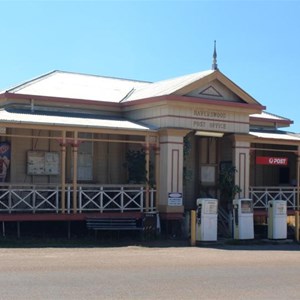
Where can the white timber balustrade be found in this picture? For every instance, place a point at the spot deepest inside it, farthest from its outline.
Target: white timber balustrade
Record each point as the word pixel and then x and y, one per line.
pixel 262 195
pixel 90 198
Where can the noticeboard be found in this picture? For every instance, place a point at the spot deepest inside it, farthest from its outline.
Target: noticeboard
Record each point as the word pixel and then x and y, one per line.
pixel 208 174
pixel 42 163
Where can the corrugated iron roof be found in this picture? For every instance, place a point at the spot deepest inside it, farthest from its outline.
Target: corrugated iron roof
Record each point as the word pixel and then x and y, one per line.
pixel 78 86
pixel 269 116
pixel 43 119
pixel 165 87
pixel 275 135
pixel 98 88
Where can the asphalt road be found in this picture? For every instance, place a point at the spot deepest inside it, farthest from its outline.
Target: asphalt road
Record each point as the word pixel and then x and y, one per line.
pixel 135 272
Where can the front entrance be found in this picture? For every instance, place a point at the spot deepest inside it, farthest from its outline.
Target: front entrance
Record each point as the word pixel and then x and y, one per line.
pixel 204 157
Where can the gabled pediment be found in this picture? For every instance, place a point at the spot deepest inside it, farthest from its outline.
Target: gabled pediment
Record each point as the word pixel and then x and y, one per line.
pixel 216 86
pixel 217 91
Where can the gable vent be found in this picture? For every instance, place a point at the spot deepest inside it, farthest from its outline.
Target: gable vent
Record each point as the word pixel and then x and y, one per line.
pixel 210 91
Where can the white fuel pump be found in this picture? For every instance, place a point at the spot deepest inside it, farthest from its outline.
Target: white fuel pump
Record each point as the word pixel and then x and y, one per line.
pixel 277 219
pixel 206 219
pixel 243 225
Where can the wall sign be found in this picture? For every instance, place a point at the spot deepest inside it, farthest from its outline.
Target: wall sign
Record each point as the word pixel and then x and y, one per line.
pixel 270 160
pixel 175 199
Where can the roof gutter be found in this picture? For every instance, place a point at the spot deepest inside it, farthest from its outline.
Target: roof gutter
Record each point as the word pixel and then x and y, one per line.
pixel 8 95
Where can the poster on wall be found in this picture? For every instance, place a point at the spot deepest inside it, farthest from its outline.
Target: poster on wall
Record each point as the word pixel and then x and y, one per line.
pixel 4 160
pixel 42 163
pixel 208 174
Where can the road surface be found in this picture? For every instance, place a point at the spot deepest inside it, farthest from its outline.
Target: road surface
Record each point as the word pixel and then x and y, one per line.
pixel 135 272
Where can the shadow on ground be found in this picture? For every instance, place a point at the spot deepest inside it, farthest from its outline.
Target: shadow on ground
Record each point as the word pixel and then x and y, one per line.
pixel 157 242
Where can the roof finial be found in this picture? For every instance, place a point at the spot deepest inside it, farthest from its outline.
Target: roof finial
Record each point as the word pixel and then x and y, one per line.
pixel 214 64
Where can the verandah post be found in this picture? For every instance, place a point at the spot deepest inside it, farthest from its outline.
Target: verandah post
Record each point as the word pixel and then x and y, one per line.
pixel 147 153
pixel 63 172
pixel 75 157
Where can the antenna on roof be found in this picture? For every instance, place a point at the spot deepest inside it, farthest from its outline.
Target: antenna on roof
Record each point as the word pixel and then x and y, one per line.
pixel 214 64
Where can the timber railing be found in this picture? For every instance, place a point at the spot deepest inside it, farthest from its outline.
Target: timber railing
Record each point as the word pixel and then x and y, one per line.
pixel 90 198
pixel 262 195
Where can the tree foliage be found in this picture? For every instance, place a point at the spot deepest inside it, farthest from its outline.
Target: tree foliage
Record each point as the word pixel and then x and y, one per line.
pixel 227 186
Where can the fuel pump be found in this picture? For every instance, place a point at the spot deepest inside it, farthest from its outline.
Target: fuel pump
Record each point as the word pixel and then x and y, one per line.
pixel 206 219
pixel 243 225
pixel 277 219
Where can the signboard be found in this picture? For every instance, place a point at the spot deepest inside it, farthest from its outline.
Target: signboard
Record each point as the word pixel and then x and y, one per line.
pixel 175 199
pixel 5 154
pixel 270 160
pixel 42 163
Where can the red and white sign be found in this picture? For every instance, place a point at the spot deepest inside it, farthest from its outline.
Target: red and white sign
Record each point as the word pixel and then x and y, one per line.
pixel 267 160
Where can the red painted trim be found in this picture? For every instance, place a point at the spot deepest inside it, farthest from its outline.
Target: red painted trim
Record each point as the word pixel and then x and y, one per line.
pixel 197 100
pixel 176 98
pixel 175 170
pixel 66 217
pixel 171 216
pixel 242 169
pixel 264 213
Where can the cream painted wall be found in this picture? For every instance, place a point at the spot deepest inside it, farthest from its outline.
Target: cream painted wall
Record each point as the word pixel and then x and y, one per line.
pixel 19 149
pixel 193 116
pixel 171 167
pixel 241 160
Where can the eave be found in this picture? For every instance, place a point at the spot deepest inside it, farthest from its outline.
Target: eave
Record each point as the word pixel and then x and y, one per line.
pixel 276 123
pixel 193 100
pixel 60 100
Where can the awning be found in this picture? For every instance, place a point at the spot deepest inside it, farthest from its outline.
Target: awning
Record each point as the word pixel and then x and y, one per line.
pixel 36 119
pixel 275 136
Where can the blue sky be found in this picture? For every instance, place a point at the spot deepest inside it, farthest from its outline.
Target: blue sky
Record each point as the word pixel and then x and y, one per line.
pixel 258 43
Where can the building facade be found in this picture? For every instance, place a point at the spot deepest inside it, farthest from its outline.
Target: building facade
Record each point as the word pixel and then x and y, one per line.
pixel 76 146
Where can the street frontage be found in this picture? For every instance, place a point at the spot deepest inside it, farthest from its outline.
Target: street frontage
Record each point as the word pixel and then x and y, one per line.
pixel 138 272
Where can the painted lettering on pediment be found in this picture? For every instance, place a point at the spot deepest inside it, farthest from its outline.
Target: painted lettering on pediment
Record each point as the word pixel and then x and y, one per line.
pixel 210 120
pixel 209 114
